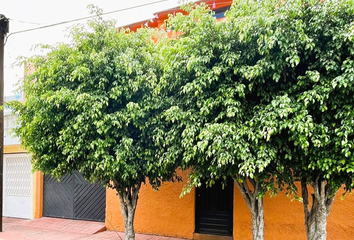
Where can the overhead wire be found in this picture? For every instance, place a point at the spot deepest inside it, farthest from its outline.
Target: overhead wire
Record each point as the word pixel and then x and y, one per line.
pixel 11 19
pixel 83 18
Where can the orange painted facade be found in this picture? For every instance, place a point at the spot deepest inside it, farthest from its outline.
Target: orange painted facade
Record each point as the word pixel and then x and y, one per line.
pixel 159 212
pixel 284 218
pixel 164 213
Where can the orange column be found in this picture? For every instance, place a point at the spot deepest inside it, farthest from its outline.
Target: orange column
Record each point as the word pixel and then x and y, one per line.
pixel 37 194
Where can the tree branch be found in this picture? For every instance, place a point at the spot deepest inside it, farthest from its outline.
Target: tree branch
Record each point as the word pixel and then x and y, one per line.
pixel 253 182
pixel 244 194
pixel 135 194
pixel 329 198
pixel 315 186
pixel 123 207
pixel 305 198
pixel 323 189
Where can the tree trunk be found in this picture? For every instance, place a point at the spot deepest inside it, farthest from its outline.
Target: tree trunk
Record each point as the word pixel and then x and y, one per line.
pixel 316 217
pixel 255 205
pixel 128 202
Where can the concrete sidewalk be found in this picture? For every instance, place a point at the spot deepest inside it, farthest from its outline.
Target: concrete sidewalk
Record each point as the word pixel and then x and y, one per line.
pixel 63 229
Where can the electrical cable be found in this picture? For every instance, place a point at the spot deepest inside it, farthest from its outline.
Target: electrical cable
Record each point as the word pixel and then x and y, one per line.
pixel 25 22
pixel 83 18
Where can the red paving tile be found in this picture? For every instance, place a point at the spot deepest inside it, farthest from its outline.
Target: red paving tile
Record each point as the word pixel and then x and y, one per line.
pixel 67 225
pixel 63 229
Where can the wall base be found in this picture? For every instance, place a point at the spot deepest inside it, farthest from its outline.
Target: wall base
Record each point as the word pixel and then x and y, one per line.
pixel 199 236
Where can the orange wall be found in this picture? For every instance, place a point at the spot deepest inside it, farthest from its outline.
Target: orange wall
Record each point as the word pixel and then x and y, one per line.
pixel 158 212
pixel 164 213
pixel 284 219
pixel 341 218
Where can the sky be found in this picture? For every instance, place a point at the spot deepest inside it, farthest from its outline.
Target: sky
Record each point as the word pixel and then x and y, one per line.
pixel 28 14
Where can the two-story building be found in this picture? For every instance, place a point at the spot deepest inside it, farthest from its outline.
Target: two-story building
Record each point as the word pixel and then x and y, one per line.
pixel 17 188
pixel 205 213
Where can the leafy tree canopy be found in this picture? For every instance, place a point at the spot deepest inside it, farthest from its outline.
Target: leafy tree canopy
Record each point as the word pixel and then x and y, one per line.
pixel 265 95
pixel 309 46
pixel 214 92
pixel 306 47
pixel 91 106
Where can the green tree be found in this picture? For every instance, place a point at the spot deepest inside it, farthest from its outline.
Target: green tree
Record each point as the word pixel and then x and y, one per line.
pixel 213 92
pixel 91 107
pixel 308 47
pixel 265 97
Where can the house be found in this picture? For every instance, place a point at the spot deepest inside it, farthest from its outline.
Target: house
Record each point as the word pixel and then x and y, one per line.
pixel 213 213
pixel 34 195
pixel 205 213
pixel 17 188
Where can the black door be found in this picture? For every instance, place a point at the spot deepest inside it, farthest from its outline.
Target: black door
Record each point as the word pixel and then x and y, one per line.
pixel 73 197
pixel 214 209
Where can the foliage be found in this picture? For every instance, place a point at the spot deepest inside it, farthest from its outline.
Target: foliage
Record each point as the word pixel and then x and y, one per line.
pixel 214 92
pixel 264 96
pixel 91 107
pixel 306 49
pixel 309 48
pixel 270 84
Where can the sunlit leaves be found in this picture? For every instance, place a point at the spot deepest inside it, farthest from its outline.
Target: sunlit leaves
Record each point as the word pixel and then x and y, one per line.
pixel 91 107
pixel 268 90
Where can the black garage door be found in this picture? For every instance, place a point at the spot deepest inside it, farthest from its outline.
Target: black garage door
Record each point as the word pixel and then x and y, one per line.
pixel 73 197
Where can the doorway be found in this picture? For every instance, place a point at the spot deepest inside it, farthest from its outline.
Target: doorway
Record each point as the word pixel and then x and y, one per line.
pixel 214 209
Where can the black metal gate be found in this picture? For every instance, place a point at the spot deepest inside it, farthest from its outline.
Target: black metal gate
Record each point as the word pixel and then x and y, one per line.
pixel 73 197
pixel 214 209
